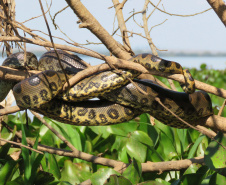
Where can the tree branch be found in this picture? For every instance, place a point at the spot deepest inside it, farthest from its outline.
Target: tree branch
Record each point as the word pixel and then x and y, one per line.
pixel 220 9
pixel 121 23
pixel 179 15
pixel 145 26
pixel 89 21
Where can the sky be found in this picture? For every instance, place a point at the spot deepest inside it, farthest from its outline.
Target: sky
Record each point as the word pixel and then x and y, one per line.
pixel 204 32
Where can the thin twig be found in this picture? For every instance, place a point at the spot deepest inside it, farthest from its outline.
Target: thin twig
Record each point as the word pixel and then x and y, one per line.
pixel 172 14
pixel 222 108
pixel 118 11
pixel 153 10
pixel 21 145
pixel 126 21
pixel 199 129
pixel 157 25
pixel 39 15
pixel 186 123
pixel 50 35
pixel 146 30
pixel 54 17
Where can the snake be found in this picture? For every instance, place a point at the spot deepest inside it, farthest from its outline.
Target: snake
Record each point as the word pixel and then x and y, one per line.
pixel 119 100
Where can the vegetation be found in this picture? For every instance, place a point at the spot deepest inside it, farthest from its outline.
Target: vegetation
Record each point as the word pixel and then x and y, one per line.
pixel 134 142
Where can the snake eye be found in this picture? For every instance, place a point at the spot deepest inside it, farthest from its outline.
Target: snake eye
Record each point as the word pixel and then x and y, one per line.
pixel 33 81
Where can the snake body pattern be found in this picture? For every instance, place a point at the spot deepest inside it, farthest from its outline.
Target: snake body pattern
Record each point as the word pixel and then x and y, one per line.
pixel 120 101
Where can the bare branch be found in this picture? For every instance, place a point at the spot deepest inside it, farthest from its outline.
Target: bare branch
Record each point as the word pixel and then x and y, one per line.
pixel 157 25
pixel 145 26
pixel 153 10
pixel 127 20
pixel 39 15
pixel 171 165
pixel 222 108
pixel 54 17
pixel 51 38
pixel 21 145
pixel 220 9
pixel 89 21
pixel 172 14
pixel 118 10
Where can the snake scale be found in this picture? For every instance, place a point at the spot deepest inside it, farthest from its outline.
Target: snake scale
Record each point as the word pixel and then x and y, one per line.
pixel 120 100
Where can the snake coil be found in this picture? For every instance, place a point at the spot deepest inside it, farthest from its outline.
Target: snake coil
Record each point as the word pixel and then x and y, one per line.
pixel 120 100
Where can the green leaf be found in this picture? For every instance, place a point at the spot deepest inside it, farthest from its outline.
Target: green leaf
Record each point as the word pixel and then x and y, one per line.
pixel 75 173
pixel 33 153
pixel 26 157
pixel 119 143
pixel 167 147
pixel 136 150
pixel 162 181
pixel 153 155
pixel 53 165
pixel 97 139
pixel 191 179
pixel 102 175
pixel 44 178
pixel 192 168
pixel 206 181
pixel 31 163
pixel 7 171
pixel 46 135
pixel 194 134
pixel 183 136
pixel 151 183
pixel 4 150
pixel 178 145
pixel 74 137
pixel 142 137
pixel 217 179
pixel 118 180
pixel 144 122
pixel 167 130
pixel 35 166
pixel 68 173
pixel 215 155
pixel 101 130
pixel 195 146
pixel 122 156
pixel 133 172
pixel 202 147
pixel 153 134
pixel 122 129
pixel 13 183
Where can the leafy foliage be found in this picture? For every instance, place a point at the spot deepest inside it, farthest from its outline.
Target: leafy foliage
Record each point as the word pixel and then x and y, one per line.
pixel 134 142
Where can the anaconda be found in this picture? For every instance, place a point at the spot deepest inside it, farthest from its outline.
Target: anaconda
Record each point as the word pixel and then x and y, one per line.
pixel 40 92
